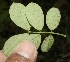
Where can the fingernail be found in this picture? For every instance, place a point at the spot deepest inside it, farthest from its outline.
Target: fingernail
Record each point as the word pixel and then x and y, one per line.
pixel 16 58
pixel 28 49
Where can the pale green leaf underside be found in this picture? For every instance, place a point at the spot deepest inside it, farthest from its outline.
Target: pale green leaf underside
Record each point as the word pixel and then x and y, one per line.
pixel 35 15
pixel 15 40
pixel 47 43
pixel 17 15
pixel 53 18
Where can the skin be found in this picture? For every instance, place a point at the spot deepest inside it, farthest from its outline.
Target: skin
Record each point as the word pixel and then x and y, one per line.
pixel 26 47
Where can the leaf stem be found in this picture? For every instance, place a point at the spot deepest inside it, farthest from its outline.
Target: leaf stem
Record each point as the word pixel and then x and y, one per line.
pixel 48 33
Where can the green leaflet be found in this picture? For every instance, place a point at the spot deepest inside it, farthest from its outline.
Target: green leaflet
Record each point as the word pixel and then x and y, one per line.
pixel 17 15
pixel 53 18
pixel 47 43
pixel 15 40
pixel 36 39
pixel 35 15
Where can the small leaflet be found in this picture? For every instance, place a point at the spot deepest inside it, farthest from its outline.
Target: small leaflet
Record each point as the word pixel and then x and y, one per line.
pixel 35 15
pixel 53 18
pixel 47 43
pixel 17 15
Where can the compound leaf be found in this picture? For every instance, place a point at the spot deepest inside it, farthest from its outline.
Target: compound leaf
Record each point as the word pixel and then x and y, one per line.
pixel 47 43
pixel 17 15
pixel 53 18
pixel 35 15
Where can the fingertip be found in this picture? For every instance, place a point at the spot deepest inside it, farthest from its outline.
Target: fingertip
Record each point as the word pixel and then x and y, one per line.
pixel 33 59
pixel 2 56
pixel 28 50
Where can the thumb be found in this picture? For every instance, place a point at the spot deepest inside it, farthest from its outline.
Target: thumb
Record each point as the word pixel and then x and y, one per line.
pixel 2 56
pixel 25 52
